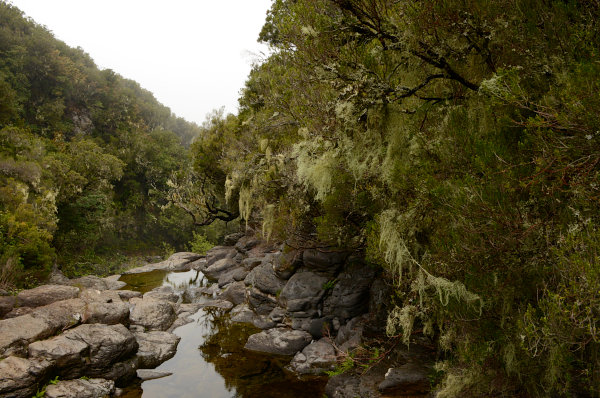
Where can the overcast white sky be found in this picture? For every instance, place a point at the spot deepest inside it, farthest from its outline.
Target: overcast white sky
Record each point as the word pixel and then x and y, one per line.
pixel 194 55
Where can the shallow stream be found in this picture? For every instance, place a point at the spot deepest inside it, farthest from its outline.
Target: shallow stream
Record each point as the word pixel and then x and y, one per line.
pixel 211 361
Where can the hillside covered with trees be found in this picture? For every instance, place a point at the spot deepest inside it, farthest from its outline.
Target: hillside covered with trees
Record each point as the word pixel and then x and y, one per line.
pixel 85 158
pixel 455 144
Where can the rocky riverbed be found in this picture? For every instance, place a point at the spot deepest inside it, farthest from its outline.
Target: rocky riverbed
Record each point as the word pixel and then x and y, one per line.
pixel 310 306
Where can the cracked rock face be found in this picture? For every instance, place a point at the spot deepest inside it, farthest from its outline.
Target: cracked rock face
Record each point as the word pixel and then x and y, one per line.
pixel 152 314
pixel 78 388
pixel 19 377
pixel 86 348
pixel 155 347
pixel 279 341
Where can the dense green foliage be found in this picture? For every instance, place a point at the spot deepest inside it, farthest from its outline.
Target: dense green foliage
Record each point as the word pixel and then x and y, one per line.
pixel 457 145
pixel 85 158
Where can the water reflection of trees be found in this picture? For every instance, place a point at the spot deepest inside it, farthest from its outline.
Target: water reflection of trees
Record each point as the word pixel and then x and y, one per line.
pixel 250 374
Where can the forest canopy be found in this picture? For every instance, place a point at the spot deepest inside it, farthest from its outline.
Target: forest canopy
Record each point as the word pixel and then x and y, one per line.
pixel 455 144
pixel 85 158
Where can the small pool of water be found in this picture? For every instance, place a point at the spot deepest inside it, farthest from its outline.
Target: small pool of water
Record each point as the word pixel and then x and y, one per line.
pixel 211 361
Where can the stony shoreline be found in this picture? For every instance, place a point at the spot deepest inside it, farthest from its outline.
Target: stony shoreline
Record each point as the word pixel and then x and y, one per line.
pixel 312 305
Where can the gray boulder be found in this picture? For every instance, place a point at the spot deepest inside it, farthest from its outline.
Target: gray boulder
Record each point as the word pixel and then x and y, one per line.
pixel 104 307
pixel 219 267
pixel 218 253
pixel 243 314
pixel 303 292
pixel 350 294
pixel 65 354
pixel 79 388
pixel 17 333
pixel 278 341
pixel 92 349
pixel 155 348
pixel 198 265
pixel 251 262
pixel 152 314
pixel 235 292
pixel 262 303
pixel 264 279
pixel 315 358
pixel 20 377
pixel 232 275
pixel 45 294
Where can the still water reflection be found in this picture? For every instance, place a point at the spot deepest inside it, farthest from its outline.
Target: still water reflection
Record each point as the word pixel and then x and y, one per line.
pixel 210 359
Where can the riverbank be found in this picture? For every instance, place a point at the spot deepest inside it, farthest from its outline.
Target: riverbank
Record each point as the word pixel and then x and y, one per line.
pixel 308 310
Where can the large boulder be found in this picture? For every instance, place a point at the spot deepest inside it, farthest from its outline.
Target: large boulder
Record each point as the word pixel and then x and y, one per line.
pixel 152 314
pixel 155 348
pixel 315 358
pixel 80 388
pixel 350 294
pixel 45 294
pixel 303 292
pixel 91 349
pixel 20 377
pixel 17 333
pixel 218 253
pixel 64 353
pixel 235 292
pixel 262 303
pixel 104 307
pixel 219 267
pixel 278 341
pixel 264 279
pixel 234 274
pixel 251 262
